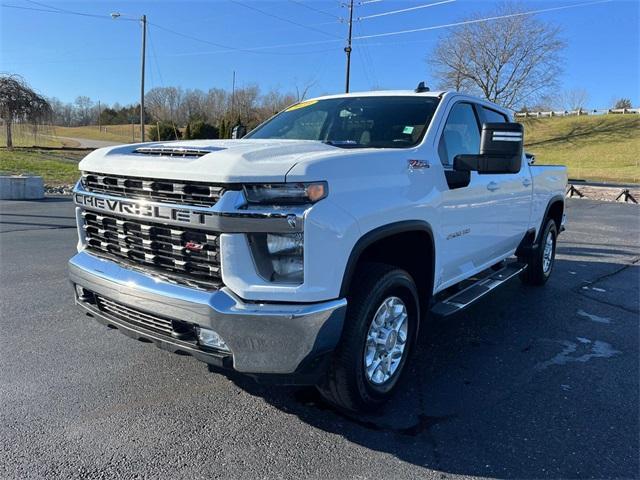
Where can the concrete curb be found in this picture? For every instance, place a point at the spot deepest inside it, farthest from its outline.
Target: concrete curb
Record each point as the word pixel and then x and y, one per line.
pixel 21 187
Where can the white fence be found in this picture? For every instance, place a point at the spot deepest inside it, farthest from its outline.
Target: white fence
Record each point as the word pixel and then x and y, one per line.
pixel 569 113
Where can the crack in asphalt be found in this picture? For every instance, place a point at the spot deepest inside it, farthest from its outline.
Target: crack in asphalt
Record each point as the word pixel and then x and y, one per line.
pixel 580 291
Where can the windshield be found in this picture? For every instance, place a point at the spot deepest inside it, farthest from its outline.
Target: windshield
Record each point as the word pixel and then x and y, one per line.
pixel 354 122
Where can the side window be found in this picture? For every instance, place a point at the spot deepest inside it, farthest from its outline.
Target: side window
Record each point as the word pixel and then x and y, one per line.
pixel 461 134
pixel 491 116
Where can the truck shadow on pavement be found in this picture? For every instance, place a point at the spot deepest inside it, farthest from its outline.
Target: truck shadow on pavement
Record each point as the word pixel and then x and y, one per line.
pixel 522 385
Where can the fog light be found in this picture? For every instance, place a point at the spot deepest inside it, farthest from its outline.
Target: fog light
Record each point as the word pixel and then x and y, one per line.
pixel 83 295
pixel 209 338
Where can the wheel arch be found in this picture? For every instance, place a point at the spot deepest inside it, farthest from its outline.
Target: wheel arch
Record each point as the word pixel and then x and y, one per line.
pixel 406 236
pixel 554 210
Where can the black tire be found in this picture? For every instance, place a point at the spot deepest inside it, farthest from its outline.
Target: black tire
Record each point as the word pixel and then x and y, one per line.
pixel 346 383
pixel 536 273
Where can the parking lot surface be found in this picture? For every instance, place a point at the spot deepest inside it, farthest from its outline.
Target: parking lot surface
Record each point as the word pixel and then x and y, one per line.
pixel 528 383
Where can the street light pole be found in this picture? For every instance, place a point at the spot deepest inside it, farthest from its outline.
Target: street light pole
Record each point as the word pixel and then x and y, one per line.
pixel 144 47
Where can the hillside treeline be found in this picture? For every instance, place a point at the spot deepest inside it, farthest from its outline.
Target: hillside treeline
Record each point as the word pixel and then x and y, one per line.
pixel 178 106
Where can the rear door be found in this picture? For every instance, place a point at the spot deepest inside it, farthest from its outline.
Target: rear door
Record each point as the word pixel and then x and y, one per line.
pixel 513 195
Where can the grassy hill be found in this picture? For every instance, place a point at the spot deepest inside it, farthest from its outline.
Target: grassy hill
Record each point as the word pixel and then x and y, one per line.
pixel 110 133
pixel 601 148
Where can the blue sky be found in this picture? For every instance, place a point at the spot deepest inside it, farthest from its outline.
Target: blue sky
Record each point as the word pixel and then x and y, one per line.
pixel 68 55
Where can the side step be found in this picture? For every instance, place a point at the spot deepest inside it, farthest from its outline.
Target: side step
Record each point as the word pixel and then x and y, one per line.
pixel 462 299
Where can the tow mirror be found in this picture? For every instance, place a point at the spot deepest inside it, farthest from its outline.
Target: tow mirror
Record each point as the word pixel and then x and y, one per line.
pixel 501 147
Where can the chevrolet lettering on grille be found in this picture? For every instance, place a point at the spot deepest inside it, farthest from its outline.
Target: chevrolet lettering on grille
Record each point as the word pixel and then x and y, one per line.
pixel 144 210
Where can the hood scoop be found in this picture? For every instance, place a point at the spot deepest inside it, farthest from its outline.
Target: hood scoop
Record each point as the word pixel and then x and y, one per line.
pixel 183 152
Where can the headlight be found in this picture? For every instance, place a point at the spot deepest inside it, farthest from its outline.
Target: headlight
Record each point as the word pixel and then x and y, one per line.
pixel 279 258
pixel 286 193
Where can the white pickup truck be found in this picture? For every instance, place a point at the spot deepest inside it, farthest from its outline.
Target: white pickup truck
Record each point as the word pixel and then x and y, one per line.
pixel 312 250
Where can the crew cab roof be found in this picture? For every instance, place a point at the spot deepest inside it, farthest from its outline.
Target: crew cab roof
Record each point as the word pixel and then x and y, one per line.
pixel 381 93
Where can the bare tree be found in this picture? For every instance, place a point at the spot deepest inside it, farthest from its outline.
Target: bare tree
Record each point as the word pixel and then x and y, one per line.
pixel 303 90
pixel 245 102
pixel 164 103
pixel 217 103
pixel 18 102
pixel 274 101
pixel 83 108
pixel 193 106
pixel 510 61
pixel 574 99
pixel 623 103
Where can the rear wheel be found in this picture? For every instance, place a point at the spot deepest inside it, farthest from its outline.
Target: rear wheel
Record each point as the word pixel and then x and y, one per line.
pixel 378 335
pixel 540 264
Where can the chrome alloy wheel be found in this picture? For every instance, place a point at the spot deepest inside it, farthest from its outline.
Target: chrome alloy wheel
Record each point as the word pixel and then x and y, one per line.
pixel 386 341
pixel 547 254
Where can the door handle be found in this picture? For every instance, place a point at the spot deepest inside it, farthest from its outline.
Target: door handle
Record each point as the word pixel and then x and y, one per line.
pixel 493 186
pixel 526 182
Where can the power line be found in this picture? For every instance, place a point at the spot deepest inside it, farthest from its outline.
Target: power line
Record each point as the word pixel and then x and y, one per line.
pixel 52 9
pixel 245 50
pixel 155 58
pixel 283 19
pixel 466 22
pixel 402 10
pixel 309 7
pixel 60 12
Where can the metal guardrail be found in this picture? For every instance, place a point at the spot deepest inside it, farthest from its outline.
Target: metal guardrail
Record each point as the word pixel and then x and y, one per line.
pixel 622 192
pixel 571 113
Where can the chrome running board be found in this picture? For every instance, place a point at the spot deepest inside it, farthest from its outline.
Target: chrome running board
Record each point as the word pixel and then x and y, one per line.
pixel 471 294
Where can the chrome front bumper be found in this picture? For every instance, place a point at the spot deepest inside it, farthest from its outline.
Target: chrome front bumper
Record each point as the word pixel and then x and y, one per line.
pixel 263 338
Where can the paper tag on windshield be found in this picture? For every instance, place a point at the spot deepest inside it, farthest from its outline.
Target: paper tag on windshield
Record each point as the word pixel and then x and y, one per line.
pixel 408 130
pixel 301 105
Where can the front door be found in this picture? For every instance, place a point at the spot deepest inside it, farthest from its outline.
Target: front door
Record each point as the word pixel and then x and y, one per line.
pixel 469 214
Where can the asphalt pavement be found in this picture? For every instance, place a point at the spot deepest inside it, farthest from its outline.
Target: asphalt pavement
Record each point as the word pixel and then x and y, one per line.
pixel 528 383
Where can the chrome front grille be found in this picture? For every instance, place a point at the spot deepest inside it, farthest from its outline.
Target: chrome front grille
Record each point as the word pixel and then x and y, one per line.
pixel 176 254
pixel 155 190
pixel 135 316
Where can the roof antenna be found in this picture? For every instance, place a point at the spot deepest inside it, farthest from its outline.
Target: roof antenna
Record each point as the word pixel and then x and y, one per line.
pixel 422 88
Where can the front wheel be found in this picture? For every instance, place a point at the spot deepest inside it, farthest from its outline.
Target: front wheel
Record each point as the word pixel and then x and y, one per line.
pixel 540 264
pixel 378 335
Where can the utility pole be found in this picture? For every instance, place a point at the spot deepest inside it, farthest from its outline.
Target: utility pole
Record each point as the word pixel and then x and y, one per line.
pixel 143 20
pixel 233 94
pixel 348 48
pixel 99 114
pixel 144 47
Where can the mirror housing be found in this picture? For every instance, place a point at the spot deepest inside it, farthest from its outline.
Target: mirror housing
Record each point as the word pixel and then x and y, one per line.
pixel 501 147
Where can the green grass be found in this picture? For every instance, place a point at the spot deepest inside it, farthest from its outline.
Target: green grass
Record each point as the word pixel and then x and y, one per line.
pixel 601 148
pixel 23 136
pixel 57 167
pixel 110 133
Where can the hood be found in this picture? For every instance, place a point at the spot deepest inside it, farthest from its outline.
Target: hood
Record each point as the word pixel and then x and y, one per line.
pixel 215 161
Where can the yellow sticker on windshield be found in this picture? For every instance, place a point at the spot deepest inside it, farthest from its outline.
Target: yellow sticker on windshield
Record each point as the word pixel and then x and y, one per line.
pixel 301 105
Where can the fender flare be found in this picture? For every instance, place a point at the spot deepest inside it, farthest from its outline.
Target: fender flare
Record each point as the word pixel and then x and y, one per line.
pixel 555 199
pixel 381 233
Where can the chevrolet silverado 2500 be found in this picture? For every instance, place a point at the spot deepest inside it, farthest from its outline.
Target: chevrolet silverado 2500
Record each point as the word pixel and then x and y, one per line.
pixel 312 250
